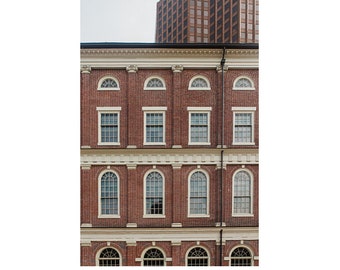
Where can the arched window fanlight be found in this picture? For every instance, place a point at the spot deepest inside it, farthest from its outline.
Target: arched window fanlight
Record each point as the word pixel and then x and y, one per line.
pixel 153 257
pixel 198 256
pixel 154 83
pixel 109 257
pixel 108 83
pixel 199 83
pixel 243 83
pixel 241 257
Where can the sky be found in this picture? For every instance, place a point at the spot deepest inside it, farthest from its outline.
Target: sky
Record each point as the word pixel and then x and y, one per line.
pixel 118 20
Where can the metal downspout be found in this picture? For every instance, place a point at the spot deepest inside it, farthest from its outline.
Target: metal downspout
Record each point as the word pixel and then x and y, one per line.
pixel 222 153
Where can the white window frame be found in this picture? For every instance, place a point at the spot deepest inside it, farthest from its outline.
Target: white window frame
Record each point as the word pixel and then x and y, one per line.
pixel 153 247
pixel 108 88
pixel 101 250
pixel 199 88
pixel 154 88
pixel 100 215
pixel 199 110
pixel 208 194
pixel 190 248
pixel 251 214
pixel 242 246
pixel 145 215
pixel 114 110
pixel 243 88
pixel 250 110
pixel 161 110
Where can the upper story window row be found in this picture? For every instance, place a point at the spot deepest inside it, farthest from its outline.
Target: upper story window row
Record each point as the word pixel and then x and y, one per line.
pixel 154 125
pixel 157 83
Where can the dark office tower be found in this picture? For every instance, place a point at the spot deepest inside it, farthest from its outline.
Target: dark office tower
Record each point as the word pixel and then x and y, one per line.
pixel 207 21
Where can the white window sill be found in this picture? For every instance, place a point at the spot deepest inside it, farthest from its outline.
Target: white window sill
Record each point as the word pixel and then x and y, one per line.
pixel 242 215
pixel 109 216
pixel 243 88
pixel 246 143
pixel 108 143
pixel 109 89
pixel 199 216
pixel 199 143
pixel 154 89
pixel 158 143
pixel 154 216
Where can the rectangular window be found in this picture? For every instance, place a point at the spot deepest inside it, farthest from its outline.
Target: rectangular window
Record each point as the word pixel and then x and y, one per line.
pixel 243 132
pixel 199 125
pixel 154 125
pixel 108 125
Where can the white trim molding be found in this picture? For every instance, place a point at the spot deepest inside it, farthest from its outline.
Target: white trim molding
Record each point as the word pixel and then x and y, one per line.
pixel 171 157
pixel 206 110
pixel 150 110
pixel 113 110
pixel 88 235
pixel 252 87
pixel 244 110
pixel 156 87
pixel 166 58
pixel 100 88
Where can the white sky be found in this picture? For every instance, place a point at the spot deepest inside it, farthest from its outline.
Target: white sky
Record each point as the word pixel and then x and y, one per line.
pixel 118 20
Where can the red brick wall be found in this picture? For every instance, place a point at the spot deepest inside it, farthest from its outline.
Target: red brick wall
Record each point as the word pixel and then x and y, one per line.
pixel 132 196
pixel 131 98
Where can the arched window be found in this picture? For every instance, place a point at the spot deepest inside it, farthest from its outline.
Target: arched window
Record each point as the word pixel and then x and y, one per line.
pixel 243 83
pixel 242 193
pixel 198 256
pixel 109 194
pixel 154 194
pixel 241 256
pixel 108 83
pixel 109 257
pixel 199 83
pixel 153 257
pixel 198 194
pixel 154 83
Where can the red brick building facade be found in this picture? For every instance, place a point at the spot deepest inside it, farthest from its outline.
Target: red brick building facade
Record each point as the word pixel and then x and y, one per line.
pixel 169 154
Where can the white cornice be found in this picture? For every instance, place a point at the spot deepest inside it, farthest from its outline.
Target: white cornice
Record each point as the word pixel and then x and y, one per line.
pixel 166 52
pixel 167 58
pixel 168 234
pixel 175 157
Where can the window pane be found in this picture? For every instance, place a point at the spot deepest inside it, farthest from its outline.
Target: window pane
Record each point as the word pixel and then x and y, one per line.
pixel 199 83
pixel 109 83
pixel 154 127
pixel 241 257
pixel 153 257
pixel 198 193
pixel 154 193
pixel 243 82
pixel 243 119
pixel 197 257
pixel 109 127
pixel 155 83
pixel 243 127
pixel 242 192
pixel 109 194
pixel 109 257
pixel 199 127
